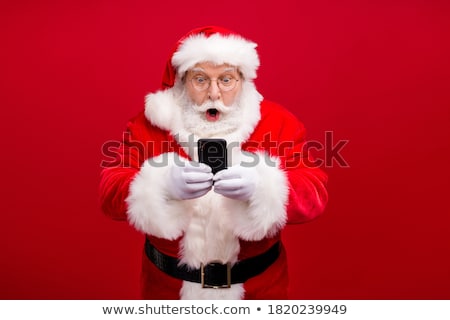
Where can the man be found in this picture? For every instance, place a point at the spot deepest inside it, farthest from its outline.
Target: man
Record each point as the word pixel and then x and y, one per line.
pixel 213 236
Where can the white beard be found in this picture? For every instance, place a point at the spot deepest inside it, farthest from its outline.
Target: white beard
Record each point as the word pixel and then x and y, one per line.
pixel 174 111
pixel 195 122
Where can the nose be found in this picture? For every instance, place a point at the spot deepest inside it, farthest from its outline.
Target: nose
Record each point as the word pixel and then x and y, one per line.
pixel 214 91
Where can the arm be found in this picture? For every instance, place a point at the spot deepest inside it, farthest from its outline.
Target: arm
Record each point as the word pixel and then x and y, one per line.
pixel 307 182
pixel 282 137
pixel 148 178
pixel 123 163
pixel 276 182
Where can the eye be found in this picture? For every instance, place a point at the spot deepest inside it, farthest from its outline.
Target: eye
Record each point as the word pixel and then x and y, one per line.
pixel 200 80
pixel 226 80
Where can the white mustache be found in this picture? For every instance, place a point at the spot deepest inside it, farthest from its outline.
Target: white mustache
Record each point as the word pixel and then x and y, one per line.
pixel 212 105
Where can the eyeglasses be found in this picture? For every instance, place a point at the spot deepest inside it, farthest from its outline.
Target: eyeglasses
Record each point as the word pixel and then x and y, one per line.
pixel 225 83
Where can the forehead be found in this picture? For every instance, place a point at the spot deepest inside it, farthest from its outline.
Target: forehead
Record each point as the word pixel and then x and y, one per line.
pixel 213 69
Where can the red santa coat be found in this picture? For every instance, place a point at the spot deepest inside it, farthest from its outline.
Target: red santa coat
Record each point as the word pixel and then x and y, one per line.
pixel 291 190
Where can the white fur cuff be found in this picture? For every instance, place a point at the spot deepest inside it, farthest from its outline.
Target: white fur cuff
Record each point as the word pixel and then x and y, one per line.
pixel 265 213
pixel 150 208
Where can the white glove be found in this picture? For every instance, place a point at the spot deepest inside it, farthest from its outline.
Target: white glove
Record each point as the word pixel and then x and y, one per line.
pixel 236 182
pixel 189 181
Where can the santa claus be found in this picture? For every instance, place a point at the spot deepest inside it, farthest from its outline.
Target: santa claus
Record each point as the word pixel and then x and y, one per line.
pixel 213 236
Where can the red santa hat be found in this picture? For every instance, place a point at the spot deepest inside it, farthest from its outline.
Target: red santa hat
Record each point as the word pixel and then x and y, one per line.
pixel 213 44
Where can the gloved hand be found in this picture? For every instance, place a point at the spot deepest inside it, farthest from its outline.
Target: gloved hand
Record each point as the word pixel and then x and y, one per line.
pixel 236 182
pixel 189 181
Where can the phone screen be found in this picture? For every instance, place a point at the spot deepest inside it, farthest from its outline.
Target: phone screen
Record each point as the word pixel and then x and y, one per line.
pixel 213 152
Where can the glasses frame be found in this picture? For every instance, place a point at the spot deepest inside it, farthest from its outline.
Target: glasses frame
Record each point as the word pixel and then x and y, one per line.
pixel 210 80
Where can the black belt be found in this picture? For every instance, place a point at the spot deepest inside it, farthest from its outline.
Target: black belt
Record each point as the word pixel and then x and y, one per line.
pixel 213 275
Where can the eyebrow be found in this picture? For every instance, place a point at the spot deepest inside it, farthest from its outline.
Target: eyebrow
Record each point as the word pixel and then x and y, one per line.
pixel 198 69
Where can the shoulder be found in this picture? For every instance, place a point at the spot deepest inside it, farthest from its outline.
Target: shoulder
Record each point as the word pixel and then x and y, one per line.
pixel 278 116
pixel 141 128
pixel 139 120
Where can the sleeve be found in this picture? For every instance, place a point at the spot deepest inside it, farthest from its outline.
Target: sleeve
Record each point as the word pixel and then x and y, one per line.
pixel 291 187
pixel 264 214
pixel 122 160
pixel 308 195
pixel 151 209
pixel 133 183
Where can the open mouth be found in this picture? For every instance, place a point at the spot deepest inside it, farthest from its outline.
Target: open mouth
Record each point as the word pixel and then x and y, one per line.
pixel 212 114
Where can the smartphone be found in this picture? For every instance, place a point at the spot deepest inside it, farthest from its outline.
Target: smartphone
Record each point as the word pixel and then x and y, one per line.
pixel 213 152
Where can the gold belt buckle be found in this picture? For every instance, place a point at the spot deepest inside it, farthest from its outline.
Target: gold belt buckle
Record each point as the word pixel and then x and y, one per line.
pixel 202 276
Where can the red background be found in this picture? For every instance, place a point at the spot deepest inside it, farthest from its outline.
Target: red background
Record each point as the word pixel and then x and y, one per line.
pixel 376 74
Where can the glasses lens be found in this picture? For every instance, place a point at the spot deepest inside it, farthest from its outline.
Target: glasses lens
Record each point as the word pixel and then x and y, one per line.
pixel 202 83
pixel 226 83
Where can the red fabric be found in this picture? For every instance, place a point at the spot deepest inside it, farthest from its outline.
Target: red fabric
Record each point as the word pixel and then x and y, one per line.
pixel 278 133
pixel 169 73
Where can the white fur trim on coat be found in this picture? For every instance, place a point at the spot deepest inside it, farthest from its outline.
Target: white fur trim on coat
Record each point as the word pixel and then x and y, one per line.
pixel 161 109
pixel 265 213
pixel 219 49
pixel 150 208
